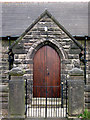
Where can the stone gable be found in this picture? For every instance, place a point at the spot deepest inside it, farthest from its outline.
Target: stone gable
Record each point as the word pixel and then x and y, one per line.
pixel 36 37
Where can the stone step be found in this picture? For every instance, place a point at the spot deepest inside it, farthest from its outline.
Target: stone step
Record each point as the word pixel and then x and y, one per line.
pixel 35 119
pixel 46 119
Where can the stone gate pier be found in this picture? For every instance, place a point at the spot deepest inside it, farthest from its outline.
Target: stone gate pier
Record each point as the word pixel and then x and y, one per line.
pixel 16 94
pixel 75 92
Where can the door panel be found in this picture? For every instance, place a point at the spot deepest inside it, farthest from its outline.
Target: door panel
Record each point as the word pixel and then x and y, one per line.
pixel 53 78
pixel 39 73
pixel 46 73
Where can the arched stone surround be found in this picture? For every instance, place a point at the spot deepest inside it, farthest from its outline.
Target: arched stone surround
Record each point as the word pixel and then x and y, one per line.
pixel 30 55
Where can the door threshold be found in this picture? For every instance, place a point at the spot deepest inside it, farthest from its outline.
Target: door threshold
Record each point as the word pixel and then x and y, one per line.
pixel 46 119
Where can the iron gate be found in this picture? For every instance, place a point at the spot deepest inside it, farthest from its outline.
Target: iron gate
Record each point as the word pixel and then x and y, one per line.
pixel 44 107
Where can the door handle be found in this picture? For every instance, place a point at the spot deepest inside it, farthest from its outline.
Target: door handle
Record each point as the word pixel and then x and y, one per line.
pixel 48 73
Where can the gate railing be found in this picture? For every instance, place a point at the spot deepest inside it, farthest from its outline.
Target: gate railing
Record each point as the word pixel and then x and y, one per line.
pixel 45 107
pixel 26 98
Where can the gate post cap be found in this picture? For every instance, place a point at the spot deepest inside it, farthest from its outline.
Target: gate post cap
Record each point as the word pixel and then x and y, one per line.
pixel 76 72
pixel 17 71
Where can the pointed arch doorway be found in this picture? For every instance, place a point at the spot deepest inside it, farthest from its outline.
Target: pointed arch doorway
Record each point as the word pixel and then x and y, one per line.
pixel 47 98
pixel 46 77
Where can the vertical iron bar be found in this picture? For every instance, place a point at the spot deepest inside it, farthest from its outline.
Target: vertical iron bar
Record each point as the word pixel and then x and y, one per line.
pixel 66 97
pixel 85 59
pixel 54 106
pixel 26 99
pixel 46 104
pixel 62 99
pixel 62 95
pixel 56 102
pixel 9 56
pixel 46 83
pixel 9 49
pixel 36 102
pixel 58 107
pixel 44 107
pixel 31 99
pixel 51 101
pixel 50 106
pixel 38 106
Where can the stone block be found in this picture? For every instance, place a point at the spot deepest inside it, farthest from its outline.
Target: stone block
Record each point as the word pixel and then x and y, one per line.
pixel 4 105
pixel 75 97
pixel 66 61
pixel 16 98
pixel 87 105
pixel 16 93
pixel 87 100
pixel 3 99
pixel 74 77
pixel 4 88
pixel 16 72
pixel 5 112
pixel 76 72
pixel 87 88
pixel 74 46
pixel 74 51
pixel 19 51
pixel 3 94
pixel 76 63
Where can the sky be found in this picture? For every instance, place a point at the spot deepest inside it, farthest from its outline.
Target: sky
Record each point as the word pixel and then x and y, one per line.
pixel 44 0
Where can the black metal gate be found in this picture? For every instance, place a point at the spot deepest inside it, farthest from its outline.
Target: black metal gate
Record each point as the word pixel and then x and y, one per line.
pixel 47 107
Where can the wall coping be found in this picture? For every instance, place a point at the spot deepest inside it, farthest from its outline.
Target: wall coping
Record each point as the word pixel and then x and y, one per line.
pixel 17 71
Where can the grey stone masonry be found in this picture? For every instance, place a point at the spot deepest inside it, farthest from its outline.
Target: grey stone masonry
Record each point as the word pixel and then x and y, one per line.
pixel 24 50
pixel 87 88
pixel 16 93
pixel 75 92
pixel 4 66
pixel 36 37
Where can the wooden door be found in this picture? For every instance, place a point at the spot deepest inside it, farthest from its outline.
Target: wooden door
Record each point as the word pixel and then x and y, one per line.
pixel 46 76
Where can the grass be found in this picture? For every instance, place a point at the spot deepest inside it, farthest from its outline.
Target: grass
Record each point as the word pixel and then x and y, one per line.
pixel 86 114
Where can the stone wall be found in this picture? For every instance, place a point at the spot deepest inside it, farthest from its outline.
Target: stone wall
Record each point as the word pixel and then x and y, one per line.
pixel 87 86
pixel 76 92
pixel 25 49
pixel 4 88
pixel 4 84
pixel 87 90
pixel 37 37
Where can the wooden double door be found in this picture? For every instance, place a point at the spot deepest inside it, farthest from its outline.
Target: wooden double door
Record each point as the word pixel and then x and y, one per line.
pixel 46 73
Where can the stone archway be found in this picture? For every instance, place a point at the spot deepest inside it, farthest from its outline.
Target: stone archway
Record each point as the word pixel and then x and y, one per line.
pixel 30 55
pixel 55 45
